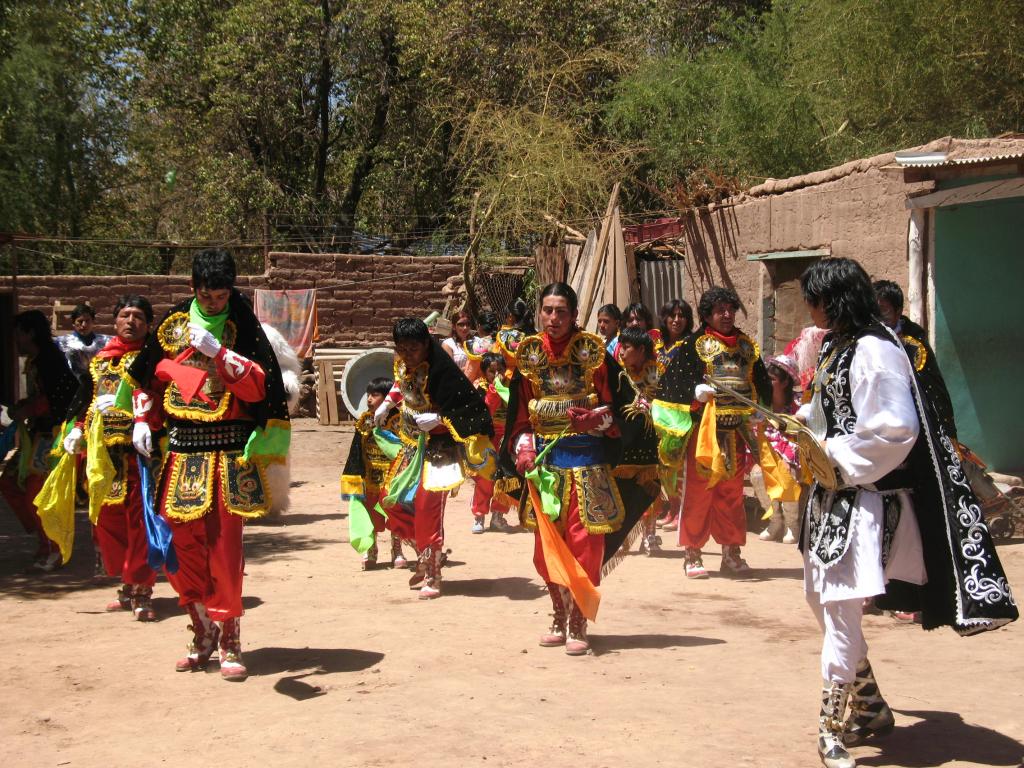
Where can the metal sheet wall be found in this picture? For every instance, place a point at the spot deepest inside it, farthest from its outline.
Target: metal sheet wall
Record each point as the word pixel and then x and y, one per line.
pixel 660 281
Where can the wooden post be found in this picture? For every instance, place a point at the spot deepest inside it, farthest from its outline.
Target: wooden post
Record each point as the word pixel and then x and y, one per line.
pixel 588 293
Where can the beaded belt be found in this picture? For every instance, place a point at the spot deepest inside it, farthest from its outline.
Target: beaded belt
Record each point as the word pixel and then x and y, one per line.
pixel 190 437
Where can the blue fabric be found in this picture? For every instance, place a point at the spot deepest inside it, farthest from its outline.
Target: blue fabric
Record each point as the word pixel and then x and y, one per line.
pixel 158 531
pixel 574 451
pixel 612 345
pixel 7 439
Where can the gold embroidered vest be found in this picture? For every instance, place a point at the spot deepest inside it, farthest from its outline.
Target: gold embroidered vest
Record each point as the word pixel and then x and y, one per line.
pixel 107 374
pixel 734 366
pixel 173 337
pixel 561 382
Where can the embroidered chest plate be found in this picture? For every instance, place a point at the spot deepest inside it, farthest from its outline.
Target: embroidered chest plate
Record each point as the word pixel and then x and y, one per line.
pixel 173 337
pixel 107 374
pixel 412 383
pixel 376 461
pixel 560 382
pixel 733 366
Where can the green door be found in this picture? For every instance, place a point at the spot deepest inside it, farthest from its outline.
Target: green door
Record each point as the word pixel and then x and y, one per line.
pixel 979 325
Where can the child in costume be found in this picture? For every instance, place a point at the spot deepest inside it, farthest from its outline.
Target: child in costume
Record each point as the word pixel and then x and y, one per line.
pixel 365 471
pixel 491 495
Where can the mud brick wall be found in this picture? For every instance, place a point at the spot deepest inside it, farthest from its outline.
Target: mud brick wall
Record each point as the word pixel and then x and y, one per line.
pixel 359 296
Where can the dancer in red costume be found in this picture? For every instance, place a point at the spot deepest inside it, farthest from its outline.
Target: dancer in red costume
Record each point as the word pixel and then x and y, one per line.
pixel 120 527
pixel 220 442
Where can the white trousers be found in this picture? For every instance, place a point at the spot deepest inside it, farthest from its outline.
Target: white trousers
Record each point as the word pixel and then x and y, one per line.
pixel 843 645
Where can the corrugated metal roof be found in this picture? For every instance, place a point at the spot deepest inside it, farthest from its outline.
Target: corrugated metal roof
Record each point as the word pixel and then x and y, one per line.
pixel 940 159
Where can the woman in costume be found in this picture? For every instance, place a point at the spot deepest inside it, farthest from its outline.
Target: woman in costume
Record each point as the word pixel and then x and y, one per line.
pixel 676 324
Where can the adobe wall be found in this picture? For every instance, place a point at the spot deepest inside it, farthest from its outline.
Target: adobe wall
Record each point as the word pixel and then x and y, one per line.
pixel 360 296
pixel 860 216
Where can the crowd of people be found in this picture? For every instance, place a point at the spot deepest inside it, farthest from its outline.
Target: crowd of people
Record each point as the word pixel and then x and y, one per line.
pixel 591 441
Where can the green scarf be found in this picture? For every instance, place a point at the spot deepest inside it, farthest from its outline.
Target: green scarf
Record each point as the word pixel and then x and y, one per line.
pixel 212 323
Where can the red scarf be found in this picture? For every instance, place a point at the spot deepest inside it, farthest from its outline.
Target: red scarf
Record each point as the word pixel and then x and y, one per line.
pixel 117 348
pixel 729 341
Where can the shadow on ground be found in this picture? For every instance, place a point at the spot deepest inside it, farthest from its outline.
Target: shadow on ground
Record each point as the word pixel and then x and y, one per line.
pixel 942 738
pixel 311 662
pixel 602 644
pixel 509 587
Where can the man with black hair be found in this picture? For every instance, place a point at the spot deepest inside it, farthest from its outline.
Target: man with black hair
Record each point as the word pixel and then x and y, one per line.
pixel 566 395
pixel 609 322
pixel 81 345
pixel 51 386
pixel 915 341
pixel 211 375
pixel 120 530
pixel 446 433
pixel 715 459
pixel 896 519
pixel 365 473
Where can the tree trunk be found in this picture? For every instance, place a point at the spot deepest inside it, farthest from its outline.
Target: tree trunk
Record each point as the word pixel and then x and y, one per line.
pixel 375 134
pixel 323 95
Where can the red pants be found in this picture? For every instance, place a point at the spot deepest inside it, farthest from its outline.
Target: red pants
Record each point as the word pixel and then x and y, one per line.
pixel 708 512
pixel 425 527
pixel 120 534
pixel 587 548
pixel 378 520
pixel 210 559
pixel 21 501
pixel 483 498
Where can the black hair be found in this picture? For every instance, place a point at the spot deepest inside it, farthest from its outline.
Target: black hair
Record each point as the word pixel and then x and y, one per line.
pixel 887 290
pixel 712 296
pixel 564 290
pixel 213 269
pixel 82 309
pixel 488 323
pixel 379 386
pixel 136 301
pixel 522 316
pixel 842 289
pixel 612 311
pixel 34 323
pixel 669 308
pixel 489 359
pixel 637 308
pixel 410 329
pixel 790 382
pixel 637 337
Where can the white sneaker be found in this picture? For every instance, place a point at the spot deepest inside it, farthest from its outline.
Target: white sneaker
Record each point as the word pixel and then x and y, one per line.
pixel 478 524
pixel 789 537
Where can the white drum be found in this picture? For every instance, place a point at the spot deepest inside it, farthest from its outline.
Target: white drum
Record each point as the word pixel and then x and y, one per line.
pixel 360 371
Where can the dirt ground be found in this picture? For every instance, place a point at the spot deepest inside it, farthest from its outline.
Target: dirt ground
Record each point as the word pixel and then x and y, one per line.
pixel 350 669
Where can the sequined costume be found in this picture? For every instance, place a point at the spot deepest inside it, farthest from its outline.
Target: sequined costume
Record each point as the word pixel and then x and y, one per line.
pixel 120 531
pixel 366 466
pixel 458 446
pixel 220 442
pixel 712 507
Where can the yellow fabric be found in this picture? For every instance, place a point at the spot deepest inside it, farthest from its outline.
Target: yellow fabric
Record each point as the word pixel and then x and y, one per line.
pixel 99 469
pixel 481 456
pixel 708 453
pixel 778 481
pixel 55 505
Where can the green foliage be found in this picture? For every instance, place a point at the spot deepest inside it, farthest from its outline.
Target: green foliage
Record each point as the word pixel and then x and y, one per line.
pixel 196 121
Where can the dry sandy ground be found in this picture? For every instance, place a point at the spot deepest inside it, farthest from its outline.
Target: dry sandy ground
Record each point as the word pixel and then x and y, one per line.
pixel 349 668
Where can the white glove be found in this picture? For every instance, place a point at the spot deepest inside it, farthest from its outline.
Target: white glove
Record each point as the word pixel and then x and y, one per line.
pixel 203 341
pixel 381 414
pixel 105 402
pixel 73 441
pixel 702 393
pixel 142 438
pixel 427 421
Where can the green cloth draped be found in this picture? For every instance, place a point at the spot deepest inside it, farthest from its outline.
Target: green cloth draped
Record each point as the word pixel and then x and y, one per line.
pixel 360 526
pixel 212 323
pixel 546 482
pixel 407 480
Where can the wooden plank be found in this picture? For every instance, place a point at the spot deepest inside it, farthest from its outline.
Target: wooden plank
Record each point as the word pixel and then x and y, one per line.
pixel 589 292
